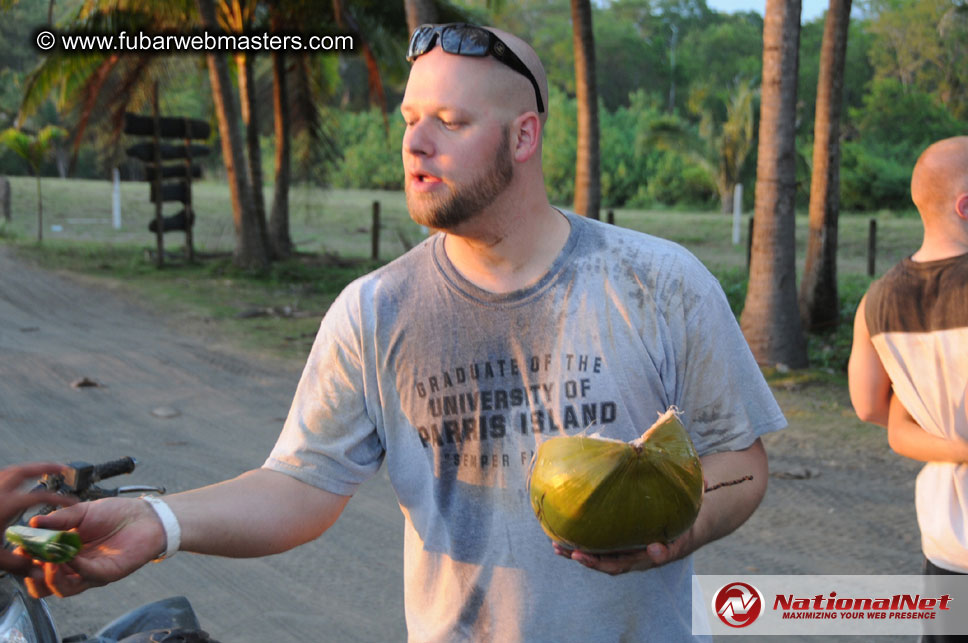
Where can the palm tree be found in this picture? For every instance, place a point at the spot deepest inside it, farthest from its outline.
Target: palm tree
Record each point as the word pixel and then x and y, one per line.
pixel 734 142
pixel 297 91
pixel 588 187
pixel 110 83
pixel 771 319
pixel 238 16
pixel 720 149
pixel 280 240
pixel 250 241
pixel 819 301
pixel 101 85
pixel 34 150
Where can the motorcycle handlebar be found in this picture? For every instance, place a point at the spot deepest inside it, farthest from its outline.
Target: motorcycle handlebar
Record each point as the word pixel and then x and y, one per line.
pixel 80 480
pixel 113 468
pixel 81 477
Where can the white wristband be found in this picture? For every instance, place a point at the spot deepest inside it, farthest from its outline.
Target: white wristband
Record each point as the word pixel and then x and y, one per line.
pixel 170 524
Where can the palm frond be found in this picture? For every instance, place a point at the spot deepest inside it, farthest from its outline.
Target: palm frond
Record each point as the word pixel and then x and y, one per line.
pixel 57 76
pixel 48 136
pixel 17 142
pixel 347 21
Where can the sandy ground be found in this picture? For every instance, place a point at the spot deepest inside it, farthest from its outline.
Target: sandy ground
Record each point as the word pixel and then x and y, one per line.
pixel 830 509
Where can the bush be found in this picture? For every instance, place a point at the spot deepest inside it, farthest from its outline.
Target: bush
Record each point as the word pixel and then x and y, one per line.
pixel 625 158
pixel 677 181
pixel 874 179
pixel 895 124
pixel 904 116
pixel 370 156
pixel 560 147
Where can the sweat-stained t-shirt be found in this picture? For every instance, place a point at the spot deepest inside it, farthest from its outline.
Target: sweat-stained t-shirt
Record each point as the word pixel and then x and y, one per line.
pixel 917 316
pixel 454 387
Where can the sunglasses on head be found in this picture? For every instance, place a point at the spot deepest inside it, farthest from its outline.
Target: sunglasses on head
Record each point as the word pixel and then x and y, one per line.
pixel 463 39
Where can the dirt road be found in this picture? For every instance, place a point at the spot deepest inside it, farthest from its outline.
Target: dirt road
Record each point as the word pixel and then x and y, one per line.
pixel 346 586
pixel 830 509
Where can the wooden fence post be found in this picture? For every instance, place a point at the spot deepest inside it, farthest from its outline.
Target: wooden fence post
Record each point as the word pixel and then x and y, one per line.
pixel 611 217
pixel 749 244
pixel 5 198
pixel 156 139
pixel 375 233
pixel 737 211
pixel 871 247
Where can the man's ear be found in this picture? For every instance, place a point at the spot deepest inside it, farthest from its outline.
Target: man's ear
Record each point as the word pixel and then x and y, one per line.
pixel 961 206
pixel 525 136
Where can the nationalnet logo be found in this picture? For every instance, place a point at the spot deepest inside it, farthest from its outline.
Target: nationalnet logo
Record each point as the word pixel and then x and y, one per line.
pixel 738 604
pixel 871 606
pixel 830 605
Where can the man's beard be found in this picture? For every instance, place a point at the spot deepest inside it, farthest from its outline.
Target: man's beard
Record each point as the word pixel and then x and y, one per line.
pixel 463 202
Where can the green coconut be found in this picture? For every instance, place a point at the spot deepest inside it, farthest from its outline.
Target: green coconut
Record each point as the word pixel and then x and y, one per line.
pixel 601 495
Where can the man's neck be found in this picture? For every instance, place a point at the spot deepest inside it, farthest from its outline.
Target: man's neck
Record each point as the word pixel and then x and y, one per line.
pixel 939 245
pixel 509 247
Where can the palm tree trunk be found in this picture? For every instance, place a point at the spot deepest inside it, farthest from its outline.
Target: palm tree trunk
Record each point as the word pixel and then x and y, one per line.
pixel 419 12
pixel 250 249
pixel 588 190
pixel 771 319
pixel 250 118
pixel 279 238
pixel 819 300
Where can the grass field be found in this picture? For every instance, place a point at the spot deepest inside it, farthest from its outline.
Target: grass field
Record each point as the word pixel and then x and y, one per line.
pixel 279 312
pixel 338 221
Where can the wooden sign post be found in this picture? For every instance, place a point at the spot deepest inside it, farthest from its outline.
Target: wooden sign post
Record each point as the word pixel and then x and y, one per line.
pixel 153 153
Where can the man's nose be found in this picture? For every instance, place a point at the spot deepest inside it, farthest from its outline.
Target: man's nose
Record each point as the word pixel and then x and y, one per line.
pixel 417 140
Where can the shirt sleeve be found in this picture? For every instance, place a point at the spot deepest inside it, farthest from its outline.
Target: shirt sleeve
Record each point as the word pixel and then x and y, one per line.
pixel 725 401
pixel 329 439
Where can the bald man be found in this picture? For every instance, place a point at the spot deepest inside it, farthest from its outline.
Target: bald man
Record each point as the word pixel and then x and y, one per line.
pixel 515 322
pixel 908 368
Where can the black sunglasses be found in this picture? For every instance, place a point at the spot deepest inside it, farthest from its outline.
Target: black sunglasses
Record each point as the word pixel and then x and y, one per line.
pixel 469 40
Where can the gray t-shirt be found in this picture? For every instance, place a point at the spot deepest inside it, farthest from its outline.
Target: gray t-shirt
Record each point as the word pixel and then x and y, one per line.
pixel 454 387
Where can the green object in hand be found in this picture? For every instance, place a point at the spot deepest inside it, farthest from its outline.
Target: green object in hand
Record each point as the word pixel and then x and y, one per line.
pixel 46 544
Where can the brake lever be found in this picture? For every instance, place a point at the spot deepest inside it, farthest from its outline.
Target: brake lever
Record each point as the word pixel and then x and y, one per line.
pixel 140 488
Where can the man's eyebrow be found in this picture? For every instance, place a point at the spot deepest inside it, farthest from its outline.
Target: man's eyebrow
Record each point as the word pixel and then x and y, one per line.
pixel 437 110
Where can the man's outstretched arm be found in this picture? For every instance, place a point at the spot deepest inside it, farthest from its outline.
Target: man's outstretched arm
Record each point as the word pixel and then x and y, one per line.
pixel 259 513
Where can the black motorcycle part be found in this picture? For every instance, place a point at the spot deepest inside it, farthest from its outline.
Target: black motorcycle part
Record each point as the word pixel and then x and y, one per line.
pixel 171 614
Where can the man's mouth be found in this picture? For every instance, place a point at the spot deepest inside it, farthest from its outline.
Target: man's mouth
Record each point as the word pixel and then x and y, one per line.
pixel 424 181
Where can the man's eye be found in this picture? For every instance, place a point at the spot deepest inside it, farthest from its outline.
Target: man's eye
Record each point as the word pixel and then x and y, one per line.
pixel 450 124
